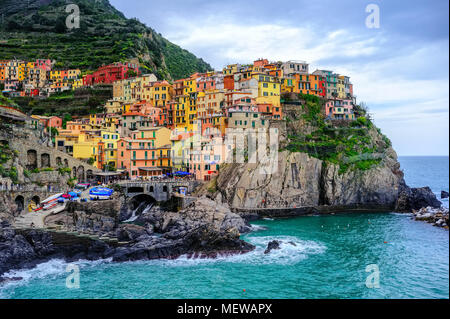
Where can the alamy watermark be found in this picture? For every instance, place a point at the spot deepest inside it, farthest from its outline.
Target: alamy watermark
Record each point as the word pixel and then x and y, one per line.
pixel 373 19
pixel 237 145
pixel 73 279
pixel 373 279
pixel 73 19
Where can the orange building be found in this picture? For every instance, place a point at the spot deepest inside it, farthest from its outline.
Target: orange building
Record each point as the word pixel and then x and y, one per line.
pixel 145 153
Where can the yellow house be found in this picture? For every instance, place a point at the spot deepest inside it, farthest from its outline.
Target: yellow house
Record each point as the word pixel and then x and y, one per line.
pixel 109 155
pixel 73 74
pixel 55 75
pixel 15 70
pixel 269 89
pixel 288 85
pixel 87 147
pixel 341 87
pixel 159 136
pixel 190 90
pixel 230 69
pixel 180 113
pixel 77 84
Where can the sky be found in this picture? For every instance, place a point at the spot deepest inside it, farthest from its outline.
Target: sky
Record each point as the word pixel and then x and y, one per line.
pixel 399 70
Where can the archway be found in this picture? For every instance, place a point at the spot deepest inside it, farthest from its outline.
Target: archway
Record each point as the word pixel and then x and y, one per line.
pixel 19 203
pixel 58 161
pixel 80 173
pixel 45 160
pixel 152 189
pixel 165 188
pixel 36 200
pixel 89 175
pixel 66 163
pixel 31 160
pixel 74 172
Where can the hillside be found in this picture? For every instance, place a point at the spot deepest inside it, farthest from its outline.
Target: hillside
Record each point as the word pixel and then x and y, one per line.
pixel 36 29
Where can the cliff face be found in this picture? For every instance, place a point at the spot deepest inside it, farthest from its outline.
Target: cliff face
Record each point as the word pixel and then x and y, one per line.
pixel 304 181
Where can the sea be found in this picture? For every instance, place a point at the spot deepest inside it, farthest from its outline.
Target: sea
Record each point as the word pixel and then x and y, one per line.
pixel 344 256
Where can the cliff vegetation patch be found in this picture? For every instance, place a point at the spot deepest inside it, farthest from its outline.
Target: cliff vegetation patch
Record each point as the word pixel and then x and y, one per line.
pixel 356 145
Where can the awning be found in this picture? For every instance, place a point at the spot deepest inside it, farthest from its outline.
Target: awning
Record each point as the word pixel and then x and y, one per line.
pixel 107 174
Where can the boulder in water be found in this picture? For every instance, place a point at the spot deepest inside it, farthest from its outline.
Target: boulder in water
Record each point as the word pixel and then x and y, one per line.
pixel 416 198
pixel 274 244
pixel 444 194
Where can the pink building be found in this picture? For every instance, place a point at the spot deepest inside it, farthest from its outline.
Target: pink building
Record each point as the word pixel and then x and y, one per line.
pixel 44 64
pixel 339 109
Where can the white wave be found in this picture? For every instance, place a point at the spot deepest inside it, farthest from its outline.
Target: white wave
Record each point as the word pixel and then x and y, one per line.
pixel 50 269
pixel 258 227
pixel 292 250
pixel 267 218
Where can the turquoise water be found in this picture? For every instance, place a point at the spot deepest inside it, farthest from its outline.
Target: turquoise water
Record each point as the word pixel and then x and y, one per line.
pixel 321 257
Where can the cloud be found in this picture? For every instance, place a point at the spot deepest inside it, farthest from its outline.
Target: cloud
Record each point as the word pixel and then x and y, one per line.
pixel 228 42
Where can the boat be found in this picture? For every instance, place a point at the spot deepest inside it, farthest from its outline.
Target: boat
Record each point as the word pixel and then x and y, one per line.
pixel 100 193
pixel 52 198
pixel 50 205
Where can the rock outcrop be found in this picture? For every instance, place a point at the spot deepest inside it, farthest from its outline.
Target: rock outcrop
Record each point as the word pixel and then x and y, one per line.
pixel 204 229
pixel 304 181
pixel 416 198
pixel 444 194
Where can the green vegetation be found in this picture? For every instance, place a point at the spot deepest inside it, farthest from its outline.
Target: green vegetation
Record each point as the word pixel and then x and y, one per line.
pixel 5 153
pixel 72 182
pixel 64 170
pixel 68 104
pixel 26 173
pixel 11 173
pixel 350 146
pixel 212 185
pixel 105 36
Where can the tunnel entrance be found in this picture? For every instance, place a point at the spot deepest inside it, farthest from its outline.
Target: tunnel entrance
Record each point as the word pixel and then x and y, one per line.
pixel 20 203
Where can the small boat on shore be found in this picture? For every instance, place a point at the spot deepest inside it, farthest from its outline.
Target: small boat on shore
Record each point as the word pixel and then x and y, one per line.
pixel 100 193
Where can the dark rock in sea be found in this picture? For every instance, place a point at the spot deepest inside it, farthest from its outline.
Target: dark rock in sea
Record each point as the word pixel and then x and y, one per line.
pixel 416 198
pixel 444 194
pixel 274 244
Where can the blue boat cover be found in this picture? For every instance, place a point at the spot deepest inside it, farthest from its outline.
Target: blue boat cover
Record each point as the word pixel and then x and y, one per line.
pixel 101 191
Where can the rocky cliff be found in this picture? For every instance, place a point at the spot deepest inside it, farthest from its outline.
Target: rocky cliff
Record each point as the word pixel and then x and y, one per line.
pixel 322 164
pixel 305 181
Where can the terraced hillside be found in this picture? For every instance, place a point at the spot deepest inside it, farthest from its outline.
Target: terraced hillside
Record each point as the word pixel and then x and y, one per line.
pixel 33 29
